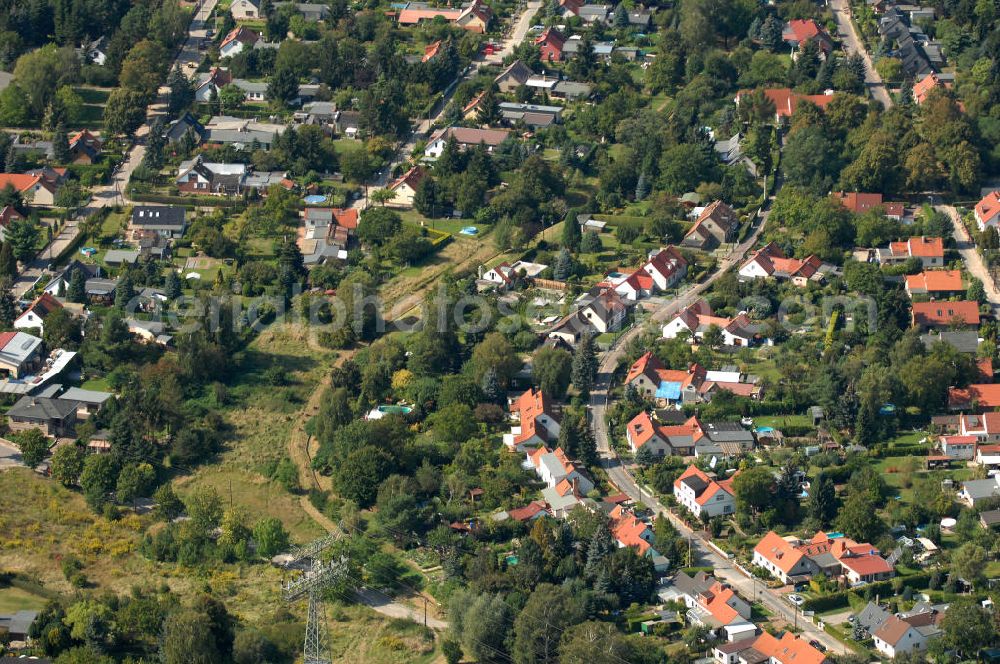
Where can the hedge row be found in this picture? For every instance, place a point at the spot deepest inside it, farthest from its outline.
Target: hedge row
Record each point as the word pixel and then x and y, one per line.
pixel 900 451
pixel 839 600
pixel 188 201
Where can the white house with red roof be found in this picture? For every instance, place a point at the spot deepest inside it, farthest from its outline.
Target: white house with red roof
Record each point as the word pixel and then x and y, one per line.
pixel 537 422
pixel 34 316
pixel 771 262
pixel 697 318
pixel 985 427
pixel 629 531
pixel 791 559
pixel 405 187
pixel 961 448
pixel 631 287
pixel 786 101
pixel 930 251
pixel 766 648
pixel 554 468
pixel 237 39
pixel 704 496
pixel 667 267
pixel 987 211
pixel 798 31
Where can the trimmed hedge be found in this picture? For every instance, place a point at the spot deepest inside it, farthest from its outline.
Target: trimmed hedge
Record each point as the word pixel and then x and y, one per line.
pixel 187 201
pixel 839 600
pixel 900 451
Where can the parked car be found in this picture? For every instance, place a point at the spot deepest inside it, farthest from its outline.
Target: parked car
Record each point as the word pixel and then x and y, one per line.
pixel 817 645
pixel 797 600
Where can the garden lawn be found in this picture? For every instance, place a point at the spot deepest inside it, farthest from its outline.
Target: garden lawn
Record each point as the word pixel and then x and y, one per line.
pixel 16 599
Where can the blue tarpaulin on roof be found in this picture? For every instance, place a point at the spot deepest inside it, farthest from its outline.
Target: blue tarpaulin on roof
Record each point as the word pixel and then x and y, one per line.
pixel 670 390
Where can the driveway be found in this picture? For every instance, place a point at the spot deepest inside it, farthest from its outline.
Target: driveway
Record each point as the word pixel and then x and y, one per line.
pixel 853 44
pixel 971 256
pixel 10 456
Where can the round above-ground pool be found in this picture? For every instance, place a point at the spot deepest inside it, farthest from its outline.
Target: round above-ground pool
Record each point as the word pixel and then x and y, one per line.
pixel 765 429
pixel 315 199
pixel 469 230
pixel 387 409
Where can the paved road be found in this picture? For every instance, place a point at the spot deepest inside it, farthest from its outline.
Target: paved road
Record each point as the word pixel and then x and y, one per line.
pixel 971 257
pixel 620 476
pixel 114 192
pixel 516 35
pixel 853 44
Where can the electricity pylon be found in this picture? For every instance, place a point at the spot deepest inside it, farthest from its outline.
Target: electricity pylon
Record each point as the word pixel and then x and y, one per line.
pixel 316 576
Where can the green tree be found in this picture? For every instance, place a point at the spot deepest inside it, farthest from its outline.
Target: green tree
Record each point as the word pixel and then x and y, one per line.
pixel 591 243
pixel 231 97
pixel 754 490
pixel 551 371
pixel 124 112
pixel 181 92
pixel 858 518
pixel 8 306
pixel 67 464
pixel 168 505
pixel 967 627
pixel 187 638
pixel 969 562
pixel 488 109
pixel 549 611
pixel 135 481
pixel 77 291
pixel 378 225
pixel 143 69
pixel 495 352
pixel 270 536
pixel 823 504
pixel 204 507
pixel 584 365
pixel 34 446
pixel 8 264
pixel 60 145
pixel 98 479
pixel 571 234
pixel 22 235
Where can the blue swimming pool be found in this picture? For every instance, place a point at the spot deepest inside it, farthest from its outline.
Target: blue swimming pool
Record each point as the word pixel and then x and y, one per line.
pixel 314 199
pixel 765 429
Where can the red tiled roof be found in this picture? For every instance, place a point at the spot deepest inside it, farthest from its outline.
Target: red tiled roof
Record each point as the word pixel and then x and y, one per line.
pixel 431 50
pixel 628 530
pixel 858 203
pixel 412 16
pixel 789 649
pixel 240 33
pixel 982 395
pixel 552 37
pixel 923 87
pixel 712 486
pixel 786 100
pixel 945 313
pixel 20 182
pixel 935 281
pixel 528 511
pixel 412 178
pixel 922 247
pixel 346 218
pixel 667 261
pixel 988 209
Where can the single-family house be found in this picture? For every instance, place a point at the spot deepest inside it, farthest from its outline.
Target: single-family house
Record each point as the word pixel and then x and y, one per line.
pixel 16 626
pixel 711 604
pixel 798 31
pixel 629 531
pixel 667 267
pixel 786 101
pixel 961 448
pixel 985 427
pixel 417 12
pixel 923 87
pixel 989 518
pixel 165 220
pixel 35 189
pixel 566 482
pixel 770 262
pixel 945 314
pixel 100 291
pixel 696 319
pixel 465 138
pixel 238 39
pixel 976 492
pixel 859 203
pixel 513 77
pixel 936 283
pixel 768 649
pixel 987 210
pixel 908 633
pixel 550 45
pixel 475 17
pixel 34 316
pixel 84 147
pixel 792 560
pixel 59 284
pixel 537 421
pixel 54 417
pixel 717 224
pixel 243 10
pixel 88 402
pixel 95 52
pixel 606 312
pixel 930 251
pixel 20 354
pixel 536 509
pixel 186 125
pixel 976 397
pixel 704 496
pixel 405 187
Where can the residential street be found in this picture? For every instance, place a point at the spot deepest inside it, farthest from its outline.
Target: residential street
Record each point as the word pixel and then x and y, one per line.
pixel 971 257
pixel 114 192
pixel 620 476
pixel 853 44
pixel 521 26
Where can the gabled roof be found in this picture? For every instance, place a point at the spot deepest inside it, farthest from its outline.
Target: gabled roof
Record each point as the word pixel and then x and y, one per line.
pixel 431 50
pixel 789 649
pixel 802 30
pixel 667 262
pixel 921 247
pixel 607 305
pixel 42 306
pixel 988 209
pixel 935 281
pixel 40 409
pixel 779 551
pixel 628 530
pixel 945 313
pixel 551 37
pixel 529 511
pixel 411 178
pixel 923 87
pixel 241 34
pixel 20 182
pixel 984 395
pixel 858 203
pixel 517 71
pixel 786 101
pixel 472 135
pixel 705 488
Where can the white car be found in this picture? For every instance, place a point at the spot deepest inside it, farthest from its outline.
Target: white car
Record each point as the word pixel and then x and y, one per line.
pixel 797 600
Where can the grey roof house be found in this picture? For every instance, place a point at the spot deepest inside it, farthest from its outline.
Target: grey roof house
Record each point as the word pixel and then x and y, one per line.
pixel 53 417
pixel 166 220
